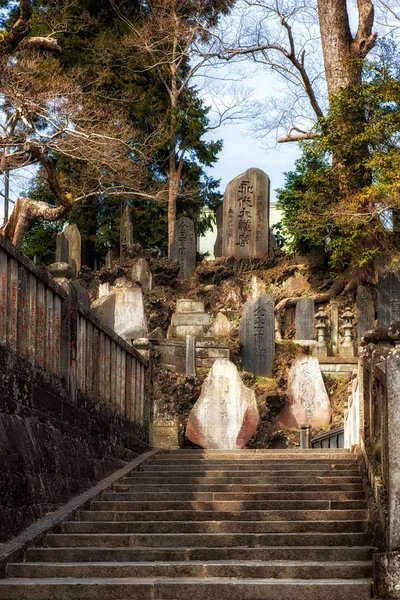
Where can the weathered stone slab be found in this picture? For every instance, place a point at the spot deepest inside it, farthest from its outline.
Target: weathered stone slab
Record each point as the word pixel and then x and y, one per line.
pixel 246 215
pixel 226 414
pixel 109 260
pixel 221 327
pixel 218 242
pixel 257 334
pixel 308 401
pixel 365 311
pixel 121 308
pixel 305 319
pixel 73 236
pixel 388 298
pixel 62 248
pixel 141 274
pixel 183 248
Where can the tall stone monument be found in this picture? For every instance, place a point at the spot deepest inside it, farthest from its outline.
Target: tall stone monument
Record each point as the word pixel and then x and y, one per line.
pixel 183 249
pixel 73 236
pixel 365 311
pixel 388 298
pixel 305 319
pixel 257 334
pixel 246 215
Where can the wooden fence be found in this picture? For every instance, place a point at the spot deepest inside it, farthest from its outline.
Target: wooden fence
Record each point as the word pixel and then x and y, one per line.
pixel 48 326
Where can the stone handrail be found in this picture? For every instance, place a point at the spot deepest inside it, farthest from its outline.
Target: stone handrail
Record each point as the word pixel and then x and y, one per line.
pixel 379 392
pixel 47 325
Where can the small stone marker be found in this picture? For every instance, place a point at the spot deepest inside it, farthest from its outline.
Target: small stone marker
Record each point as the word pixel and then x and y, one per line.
pixel 73 236
pixel 190 355
pixel 226 414
pixel 62 248
pixel 305 319
pixel 257 334
pixel 109 260
pixel 246 215
pixel 308 401
pixel 141 274
pixel 365 311
pixel 183 249
pixel 388 298
pixel 218 242
pixel 125 235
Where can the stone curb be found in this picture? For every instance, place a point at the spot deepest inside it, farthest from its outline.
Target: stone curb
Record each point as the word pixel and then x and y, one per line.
pixel 13 549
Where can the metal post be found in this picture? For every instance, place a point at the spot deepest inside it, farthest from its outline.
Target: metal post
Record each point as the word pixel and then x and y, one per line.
pixel 305 436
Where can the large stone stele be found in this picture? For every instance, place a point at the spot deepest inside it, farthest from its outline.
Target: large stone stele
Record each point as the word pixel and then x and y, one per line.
pixel 120 307
pixel 246 215
pixel 226 414
pixel 308 401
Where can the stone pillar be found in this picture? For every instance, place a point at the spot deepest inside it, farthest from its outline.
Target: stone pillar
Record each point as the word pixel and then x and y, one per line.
pixel 218 242
pixel 190 355
pixel 335 327
pixel 125 235
pixel 393 447
pixel 387 565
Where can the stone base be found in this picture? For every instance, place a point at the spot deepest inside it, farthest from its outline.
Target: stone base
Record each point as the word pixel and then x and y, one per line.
pixel 320 351
pixel 346 351
pixel 164 436
pixel 387 575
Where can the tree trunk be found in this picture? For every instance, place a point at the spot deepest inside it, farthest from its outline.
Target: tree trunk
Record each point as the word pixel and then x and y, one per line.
pixel 25 213
pixel 340 49
pixel 343 56
pixel 172 196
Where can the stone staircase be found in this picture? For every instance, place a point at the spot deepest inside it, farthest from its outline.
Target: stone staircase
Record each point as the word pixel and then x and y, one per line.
pixel 241 525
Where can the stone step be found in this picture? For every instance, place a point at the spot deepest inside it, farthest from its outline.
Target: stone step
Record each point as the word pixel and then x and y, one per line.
pixel 136 493
pixel 195 589
pixel 219 478
pixel 292 453
pixel 161 459
pixel 275 474
pixel 198 569
pixel 229 467
pixel 249 487
pixel 207 540
pixel 308 553
pixel 234 507
pixel 283 526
